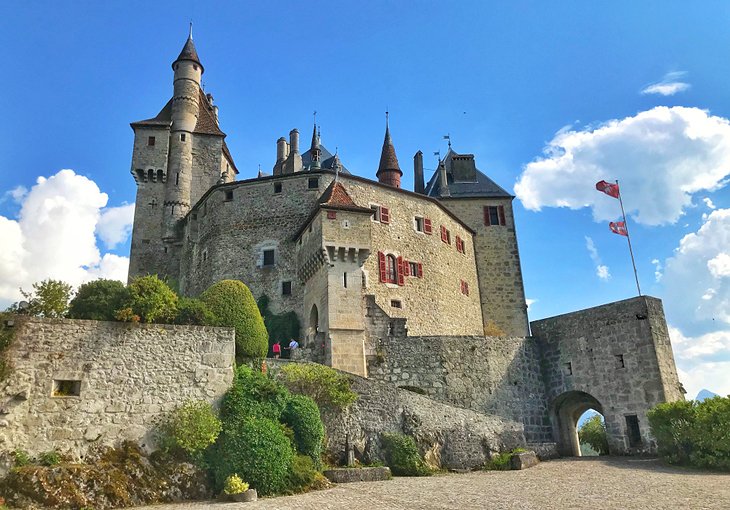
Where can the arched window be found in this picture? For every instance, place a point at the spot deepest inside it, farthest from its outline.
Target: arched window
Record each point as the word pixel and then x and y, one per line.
pixel 151 175
pixel 391 274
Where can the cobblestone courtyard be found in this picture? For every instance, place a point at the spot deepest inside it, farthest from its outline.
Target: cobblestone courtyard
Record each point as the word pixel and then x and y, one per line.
pixel 613 483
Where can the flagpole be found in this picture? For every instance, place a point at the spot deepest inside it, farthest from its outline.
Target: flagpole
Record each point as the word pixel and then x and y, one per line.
pixel 628 238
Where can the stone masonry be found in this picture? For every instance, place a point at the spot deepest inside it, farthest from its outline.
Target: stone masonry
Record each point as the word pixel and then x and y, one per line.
pixel 76 383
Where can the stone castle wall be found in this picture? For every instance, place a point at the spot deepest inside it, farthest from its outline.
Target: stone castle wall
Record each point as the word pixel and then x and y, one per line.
pixel 125 375
pixel 493 375
pixel 498 264
pixel 616 359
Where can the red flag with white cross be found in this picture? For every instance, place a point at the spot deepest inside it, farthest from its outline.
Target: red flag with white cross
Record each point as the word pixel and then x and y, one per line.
pixel 619 227
pixel 609 188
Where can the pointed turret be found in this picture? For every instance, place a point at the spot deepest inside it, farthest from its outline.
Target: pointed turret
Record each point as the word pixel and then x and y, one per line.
pixel 189 52
pixel 389 171
pixel 315 149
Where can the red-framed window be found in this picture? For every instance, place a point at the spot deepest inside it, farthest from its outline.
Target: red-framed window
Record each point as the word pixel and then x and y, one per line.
pixel 392 269
pixel 494 215
pixel 464 288
pixel 460 247
pixel 384 215
pixel 445 235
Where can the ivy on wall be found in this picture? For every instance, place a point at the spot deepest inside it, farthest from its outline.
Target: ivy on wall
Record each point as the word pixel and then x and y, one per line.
pixel 282 327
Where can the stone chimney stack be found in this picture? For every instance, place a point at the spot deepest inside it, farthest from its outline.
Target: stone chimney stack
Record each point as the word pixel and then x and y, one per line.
pixel 280 149
pixel 418 184
pixel 294 140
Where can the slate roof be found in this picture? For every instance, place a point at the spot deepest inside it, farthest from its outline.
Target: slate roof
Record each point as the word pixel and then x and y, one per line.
pixel 483 187
pixel 326 158
pixel 189 52
pixel 388 159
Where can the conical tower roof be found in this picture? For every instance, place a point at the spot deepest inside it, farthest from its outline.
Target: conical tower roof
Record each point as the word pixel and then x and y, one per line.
pixel 388 159
pixel 189 52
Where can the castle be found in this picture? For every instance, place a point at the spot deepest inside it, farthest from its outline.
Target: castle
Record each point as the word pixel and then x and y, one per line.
pixel 422 289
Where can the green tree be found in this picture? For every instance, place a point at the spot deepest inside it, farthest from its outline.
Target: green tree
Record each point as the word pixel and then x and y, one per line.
pixel 325 385
pixel 233 305
pixel 301 414
pixel 191 427
pixel 48 298
pixel 593 433
pixel 149 299
pixel 194 312
pixel 98 300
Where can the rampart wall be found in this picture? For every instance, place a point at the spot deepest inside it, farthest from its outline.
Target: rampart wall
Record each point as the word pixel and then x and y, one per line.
pixel 118 377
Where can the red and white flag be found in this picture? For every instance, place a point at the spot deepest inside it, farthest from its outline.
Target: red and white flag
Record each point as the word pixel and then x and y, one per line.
pixel 619 227
pixel 610 189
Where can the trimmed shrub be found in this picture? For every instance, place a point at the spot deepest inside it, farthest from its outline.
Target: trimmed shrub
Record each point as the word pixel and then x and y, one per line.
pixel 593 433
pixel 193 312
pixel 234 485
pixel 98 300
pixel 303 473
pixel 192 428
pixel 150 299
pixel 257 450
pixel 302 416
pixel 326 386
pixel 402 456
pixel 233 305
pixel 253 394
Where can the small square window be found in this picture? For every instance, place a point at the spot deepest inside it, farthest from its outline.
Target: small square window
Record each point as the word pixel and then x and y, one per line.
pixel 286 288
pixel 494 215
pixel 396 303
pixel 568 368
pixel 331 215
pixel 229 195
pixel 418 224
pixel 268 257
pixel 151 141
pixel 413 268
pixel 277 187
pixel 313 183
pixel 620 361
pixel 182 137
pixel 66 388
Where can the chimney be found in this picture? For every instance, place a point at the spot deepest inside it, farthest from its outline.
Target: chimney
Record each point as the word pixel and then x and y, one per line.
pixel 418 185
pixel 294 140
pixel 281 149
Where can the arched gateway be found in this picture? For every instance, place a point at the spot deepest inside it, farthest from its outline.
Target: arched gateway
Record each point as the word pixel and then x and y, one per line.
pixel 565 411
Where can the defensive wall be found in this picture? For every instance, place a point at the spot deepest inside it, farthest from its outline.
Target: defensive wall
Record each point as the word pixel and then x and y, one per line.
pixel 77 383
pixel 616 359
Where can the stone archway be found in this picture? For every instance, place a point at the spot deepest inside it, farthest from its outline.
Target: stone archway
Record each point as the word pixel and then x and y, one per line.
pixel 313 326
pixel 564 413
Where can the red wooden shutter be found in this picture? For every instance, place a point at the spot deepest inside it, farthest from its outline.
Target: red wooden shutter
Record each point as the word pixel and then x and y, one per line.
pixel 382 266
pixel 420 270
pixel 384 215
pixel 443 233
pixel 331 215
pixel 458 244
pixel 400 276
pixel 466 288
pixel 427 226
pixel 486 216
pixel 501 215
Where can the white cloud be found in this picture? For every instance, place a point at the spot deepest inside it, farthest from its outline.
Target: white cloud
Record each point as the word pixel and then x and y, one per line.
pixel 115 225
pixel 16 194
pixel 668 86
pixel 602 270
pixel 708 202
pixel 657 270
pixel 530 302
pixel 53 236
pixel 703 362
pixel 660 156
pixel 710 376
pixel 697 290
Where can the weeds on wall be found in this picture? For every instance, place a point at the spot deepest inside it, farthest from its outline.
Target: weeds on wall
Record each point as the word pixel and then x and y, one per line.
pixel 7 333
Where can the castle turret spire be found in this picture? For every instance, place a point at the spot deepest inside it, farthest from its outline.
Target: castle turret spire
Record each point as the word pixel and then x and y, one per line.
pixel 189 52
pixel 389 171
pixel 315 149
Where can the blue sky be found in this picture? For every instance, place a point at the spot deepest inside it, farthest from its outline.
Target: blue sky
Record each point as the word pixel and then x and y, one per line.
pixel 610 90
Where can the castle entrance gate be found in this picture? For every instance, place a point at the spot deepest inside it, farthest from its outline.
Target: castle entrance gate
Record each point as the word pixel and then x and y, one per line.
pixel 313 326
pixel 564 413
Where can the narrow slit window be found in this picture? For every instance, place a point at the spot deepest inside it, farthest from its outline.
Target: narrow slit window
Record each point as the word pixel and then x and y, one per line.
pixel 344 280
pixel 286 288
pixel 182 137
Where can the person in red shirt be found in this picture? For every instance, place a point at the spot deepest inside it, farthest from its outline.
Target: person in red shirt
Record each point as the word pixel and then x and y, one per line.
pixel 277 349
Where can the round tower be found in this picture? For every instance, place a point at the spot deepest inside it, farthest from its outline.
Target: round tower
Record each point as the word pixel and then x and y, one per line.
pixel 389 171
pixel 185 105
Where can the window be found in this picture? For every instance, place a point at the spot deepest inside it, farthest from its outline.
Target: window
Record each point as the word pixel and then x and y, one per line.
pixel 568 368
pixel 380 213
pixel 460 245
pixel 413 268
pixel 177 178
pixel 331 215
pixel 66 388
pixel 182 137
pixel 445 235
pixel 632 428
pixel 151 141
pixel 392 268
pixel 205 256
pixel 396 303
pixel 313 183
pixel 286 288
pixel 464 288
pixel 344 280
pixel 268 258
pixel 427 227
pixel 277 187
pixel 620 361
pixel 494 215
pixel 229 195
pixel 418 224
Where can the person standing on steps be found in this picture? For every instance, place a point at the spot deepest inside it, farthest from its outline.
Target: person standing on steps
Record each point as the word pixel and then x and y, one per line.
pixel 276 348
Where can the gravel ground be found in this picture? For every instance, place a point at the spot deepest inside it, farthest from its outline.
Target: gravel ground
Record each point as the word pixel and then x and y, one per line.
pixel 606 483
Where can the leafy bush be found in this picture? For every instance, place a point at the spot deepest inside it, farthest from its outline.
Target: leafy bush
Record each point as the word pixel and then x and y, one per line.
pixel 151 300
pixel 194 312
pixel 593 432
pixel 256 449
pixel 253 394
pixel 192 427
pixel 21 458
pixel 502 461
pixel 233 305
pixel 234 485
pixel 303 473
pixel 325 385
pixel 402 456
pixel 694 433
pixel 98 300
pixel 48 298
pixel 302 415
